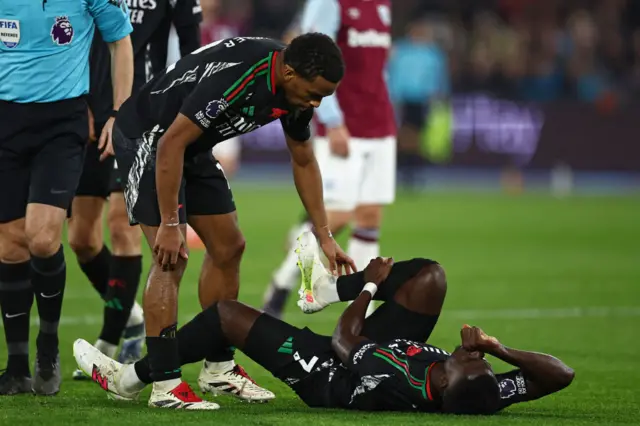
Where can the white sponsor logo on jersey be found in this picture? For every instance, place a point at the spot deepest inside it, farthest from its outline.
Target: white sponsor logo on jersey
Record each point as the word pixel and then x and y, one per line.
pixel 370 38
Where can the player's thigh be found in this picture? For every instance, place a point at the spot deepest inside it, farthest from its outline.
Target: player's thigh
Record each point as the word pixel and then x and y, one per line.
pixel 136 176
pixel 341 176
pixel 379 176
pixel 96 175
pixel 211 209
pixel 290 353
pixel 396 318
pixel 16 143
pixel 125 239
pixel 58 163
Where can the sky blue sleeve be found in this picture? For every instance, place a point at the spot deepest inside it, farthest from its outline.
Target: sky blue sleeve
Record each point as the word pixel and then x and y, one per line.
pixel 323 16
pixel 111 18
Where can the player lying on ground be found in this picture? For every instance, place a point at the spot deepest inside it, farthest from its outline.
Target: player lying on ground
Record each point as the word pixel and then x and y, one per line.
pixel 163 137
pixel 378 363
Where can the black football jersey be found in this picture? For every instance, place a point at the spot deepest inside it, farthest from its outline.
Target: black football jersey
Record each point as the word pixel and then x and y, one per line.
pixel 148 18
pixel 394 376
pixel 226 88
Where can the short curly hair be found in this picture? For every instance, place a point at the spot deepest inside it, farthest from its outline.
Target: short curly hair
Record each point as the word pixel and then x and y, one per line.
pixel 314 55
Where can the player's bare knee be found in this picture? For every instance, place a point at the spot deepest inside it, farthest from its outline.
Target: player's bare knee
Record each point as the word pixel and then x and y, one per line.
pixel 13 242
pixel 125 239
pixel 368 216
pixel 427 289
pixel 228 253
pixel 85 242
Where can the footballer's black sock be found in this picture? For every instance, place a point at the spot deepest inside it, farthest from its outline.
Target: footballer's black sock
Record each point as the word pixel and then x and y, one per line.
pixel 196 339
pixel 124 278
pixel 97 270
pixel 16 299
pixel 48 279
pixel 164 356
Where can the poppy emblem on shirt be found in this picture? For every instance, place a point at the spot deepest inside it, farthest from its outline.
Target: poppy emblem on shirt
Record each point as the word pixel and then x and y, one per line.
pixel 413 350
pixel 277 112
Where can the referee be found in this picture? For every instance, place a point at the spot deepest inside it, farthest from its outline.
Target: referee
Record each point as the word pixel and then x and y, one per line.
pixel 44 70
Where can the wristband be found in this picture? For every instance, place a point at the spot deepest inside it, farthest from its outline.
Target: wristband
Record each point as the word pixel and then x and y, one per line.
pixel 113 113
pixel 371 288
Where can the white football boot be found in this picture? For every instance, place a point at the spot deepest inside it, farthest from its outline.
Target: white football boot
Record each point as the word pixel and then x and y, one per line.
pixel 102 370
pixel 227 378
pixel 314 274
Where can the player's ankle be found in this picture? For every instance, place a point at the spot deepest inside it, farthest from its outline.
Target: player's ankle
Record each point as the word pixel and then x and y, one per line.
pixel 129 380
pixel 214 367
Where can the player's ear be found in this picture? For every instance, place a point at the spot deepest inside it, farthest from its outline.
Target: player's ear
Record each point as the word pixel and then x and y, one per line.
pixel 289 73
pixel 443 382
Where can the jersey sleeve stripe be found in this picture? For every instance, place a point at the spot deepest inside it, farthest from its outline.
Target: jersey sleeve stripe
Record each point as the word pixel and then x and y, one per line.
pixel 243 81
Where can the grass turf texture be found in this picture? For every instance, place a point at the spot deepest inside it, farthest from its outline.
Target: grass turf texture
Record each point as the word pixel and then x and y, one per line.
pixel 558 276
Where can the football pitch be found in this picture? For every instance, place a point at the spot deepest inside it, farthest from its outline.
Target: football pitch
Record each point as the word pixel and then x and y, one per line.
pixel 560 276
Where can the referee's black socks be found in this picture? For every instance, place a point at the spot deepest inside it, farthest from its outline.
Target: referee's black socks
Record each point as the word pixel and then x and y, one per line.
pixel 48 277
pixel 16 299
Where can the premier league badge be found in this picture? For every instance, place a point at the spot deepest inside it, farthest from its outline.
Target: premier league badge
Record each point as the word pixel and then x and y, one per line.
pixel 62 31
pixel 214 108
pixel 10 32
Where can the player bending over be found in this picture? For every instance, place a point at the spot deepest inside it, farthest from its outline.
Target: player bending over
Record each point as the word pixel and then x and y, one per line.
pixel 377 363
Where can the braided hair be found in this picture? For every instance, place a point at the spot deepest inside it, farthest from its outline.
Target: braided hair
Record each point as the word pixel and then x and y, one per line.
pixel 314 55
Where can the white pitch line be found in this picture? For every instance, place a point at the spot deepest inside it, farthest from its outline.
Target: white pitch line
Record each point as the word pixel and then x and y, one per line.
pixel 465 314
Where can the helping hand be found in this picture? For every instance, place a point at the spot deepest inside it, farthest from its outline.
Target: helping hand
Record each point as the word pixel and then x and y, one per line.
pixel 339 262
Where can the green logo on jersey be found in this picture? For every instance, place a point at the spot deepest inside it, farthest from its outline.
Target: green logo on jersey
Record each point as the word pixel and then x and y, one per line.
pixel 287 346
pixel 248 111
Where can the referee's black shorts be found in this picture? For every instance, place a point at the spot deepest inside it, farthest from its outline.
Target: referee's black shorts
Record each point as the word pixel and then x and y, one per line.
pixel 41 154
pixel 99 178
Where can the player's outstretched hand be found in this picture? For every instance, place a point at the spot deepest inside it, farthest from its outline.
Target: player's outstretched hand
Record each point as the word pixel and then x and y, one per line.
pixel 106 144
pixel 378 270
pixel 168 246
pixel 339 262
pixel 474 339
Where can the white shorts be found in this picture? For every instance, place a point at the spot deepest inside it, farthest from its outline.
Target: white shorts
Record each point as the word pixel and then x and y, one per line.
pixel 367 176
pixel 229 149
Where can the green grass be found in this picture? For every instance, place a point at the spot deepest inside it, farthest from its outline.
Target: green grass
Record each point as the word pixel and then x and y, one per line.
pixel 558 276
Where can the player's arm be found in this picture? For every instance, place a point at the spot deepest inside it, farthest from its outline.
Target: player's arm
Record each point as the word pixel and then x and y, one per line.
pixel 112 19
pixel 121 70
pixel 187 16
pixel 196 115
pixel 346 336
pixel 538 374
pixel 543 374
pixel 169 164
pixel 306 172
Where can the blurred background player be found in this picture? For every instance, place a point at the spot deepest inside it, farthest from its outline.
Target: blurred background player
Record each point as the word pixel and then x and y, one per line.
pixel 115 274
pixel 42 147
pixel 355 143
